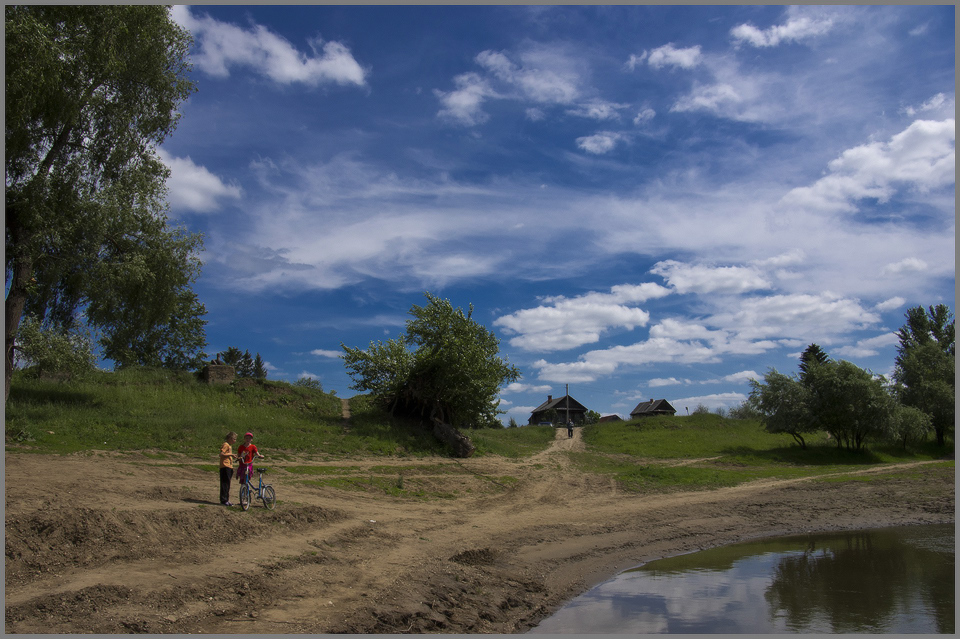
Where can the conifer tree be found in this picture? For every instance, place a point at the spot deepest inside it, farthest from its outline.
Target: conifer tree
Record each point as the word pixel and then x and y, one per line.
pixel 259 368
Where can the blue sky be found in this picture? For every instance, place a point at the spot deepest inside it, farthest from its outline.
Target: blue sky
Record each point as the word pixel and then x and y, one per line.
pixel 640 201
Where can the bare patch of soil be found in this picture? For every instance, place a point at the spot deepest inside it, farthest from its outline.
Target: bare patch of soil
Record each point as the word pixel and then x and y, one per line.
pixel 105 543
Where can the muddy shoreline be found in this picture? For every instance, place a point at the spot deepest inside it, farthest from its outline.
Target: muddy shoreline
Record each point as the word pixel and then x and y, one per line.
pixel 151 551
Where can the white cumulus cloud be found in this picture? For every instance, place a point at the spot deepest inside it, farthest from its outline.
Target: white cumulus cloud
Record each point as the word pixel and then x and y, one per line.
pixel 222 46
pixel 906 265
pixel 518 387
pixel 869 346
pixel 320 352
pixel 464 104
pixel 794 30
pixel 599 143
pixel 598 110
pixel 922 157
pixel 700 278
pixel 668 55
pixel 890 304
pixel 193 188
pixel 563 323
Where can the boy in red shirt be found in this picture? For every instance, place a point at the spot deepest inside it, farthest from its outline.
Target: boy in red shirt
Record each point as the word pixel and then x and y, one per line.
pixel 245 454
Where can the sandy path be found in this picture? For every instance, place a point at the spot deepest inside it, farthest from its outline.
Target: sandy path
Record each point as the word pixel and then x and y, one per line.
pixel 150 551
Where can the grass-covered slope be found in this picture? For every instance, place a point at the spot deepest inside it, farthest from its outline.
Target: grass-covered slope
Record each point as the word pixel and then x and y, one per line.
pixel 157 412
pixel 706 450
pixel 166 411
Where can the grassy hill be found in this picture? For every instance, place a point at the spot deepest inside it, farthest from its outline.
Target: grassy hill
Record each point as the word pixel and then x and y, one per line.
pixel 156 412
pixel 160 410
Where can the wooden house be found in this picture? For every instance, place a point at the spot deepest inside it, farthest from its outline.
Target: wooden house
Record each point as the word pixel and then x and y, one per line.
pixel 653 407
pixel 559 411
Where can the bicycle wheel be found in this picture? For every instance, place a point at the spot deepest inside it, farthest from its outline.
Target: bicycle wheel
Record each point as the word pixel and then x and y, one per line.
pixel 269 497
pixel 245 496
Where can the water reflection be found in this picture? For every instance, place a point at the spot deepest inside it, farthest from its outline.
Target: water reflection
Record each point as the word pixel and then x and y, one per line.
pixel 895 580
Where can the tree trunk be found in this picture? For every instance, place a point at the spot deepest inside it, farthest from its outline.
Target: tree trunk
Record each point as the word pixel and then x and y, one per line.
pixel 13 311
pixel 461 444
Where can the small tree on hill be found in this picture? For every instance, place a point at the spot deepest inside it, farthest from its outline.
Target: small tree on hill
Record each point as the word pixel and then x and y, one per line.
pixel 259 368
pixel 231 356
pixel 309 382
pixel 446 367
pixel 245 366
pixel 784 405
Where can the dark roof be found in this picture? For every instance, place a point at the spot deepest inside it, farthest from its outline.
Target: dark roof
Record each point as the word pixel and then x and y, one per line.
pixel 654 406
pixel 610 418
pixel 560 403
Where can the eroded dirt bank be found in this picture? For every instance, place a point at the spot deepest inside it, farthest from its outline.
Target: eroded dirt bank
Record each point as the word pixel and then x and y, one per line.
pixel 122 543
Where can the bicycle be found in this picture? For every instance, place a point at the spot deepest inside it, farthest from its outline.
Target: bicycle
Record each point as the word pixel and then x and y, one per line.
pixel 264 492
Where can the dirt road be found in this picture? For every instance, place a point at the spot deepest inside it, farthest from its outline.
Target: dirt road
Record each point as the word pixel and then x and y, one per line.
pixel 109 543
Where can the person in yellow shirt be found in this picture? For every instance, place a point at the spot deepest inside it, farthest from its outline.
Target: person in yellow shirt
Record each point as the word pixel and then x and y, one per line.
pixel 226 467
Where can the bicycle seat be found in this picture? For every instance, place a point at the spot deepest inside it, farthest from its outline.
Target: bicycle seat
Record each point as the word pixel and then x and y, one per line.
pixel 261 470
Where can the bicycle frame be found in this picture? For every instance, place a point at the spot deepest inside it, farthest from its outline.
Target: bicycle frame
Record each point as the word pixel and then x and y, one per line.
pixel 263 492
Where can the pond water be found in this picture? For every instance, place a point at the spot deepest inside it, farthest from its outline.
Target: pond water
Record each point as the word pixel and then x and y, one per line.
pixel 886 580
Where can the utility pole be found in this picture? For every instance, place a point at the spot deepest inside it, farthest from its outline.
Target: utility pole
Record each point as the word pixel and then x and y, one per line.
pixel 568 403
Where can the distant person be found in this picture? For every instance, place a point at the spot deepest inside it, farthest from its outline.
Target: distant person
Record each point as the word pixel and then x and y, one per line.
pixel 245 455
pixel 569 429
pixel 226 467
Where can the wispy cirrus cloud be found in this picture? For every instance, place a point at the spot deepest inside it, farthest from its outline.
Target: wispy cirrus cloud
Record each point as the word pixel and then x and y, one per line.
pixel 795 29
pixel 222 46
pixel 600 143
pixel 539 75
pixel 940 103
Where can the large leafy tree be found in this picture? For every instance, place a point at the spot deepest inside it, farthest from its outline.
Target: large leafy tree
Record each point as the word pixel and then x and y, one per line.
pixel 925 366
pixel 850 403
pixel 446 367
pixel 839 397
pixel 783 403
pixel 90 92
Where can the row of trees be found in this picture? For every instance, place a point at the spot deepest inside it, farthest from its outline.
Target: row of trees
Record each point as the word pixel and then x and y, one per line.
pixel 854 405
pixel 245 365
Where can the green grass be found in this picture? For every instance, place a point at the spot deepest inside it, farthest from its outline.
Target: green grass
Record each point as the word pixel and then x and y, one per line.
pixel 643 455
pixel 160 411
pixel 689 437
pixel 512 442
pixel 160 414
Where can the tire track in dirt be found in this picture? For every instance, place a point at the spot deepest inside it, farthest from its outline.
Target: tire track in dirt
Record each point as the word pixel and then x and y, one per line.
pixel 483 562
